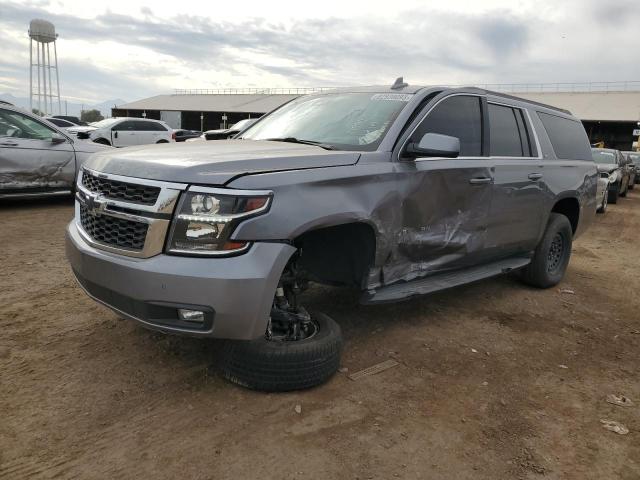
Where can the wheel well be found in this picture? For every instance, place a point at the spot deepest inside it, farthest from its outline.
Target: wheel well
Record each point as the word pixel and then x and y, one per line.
pixel 570 208
pixel 103 141
pixel 338 255
pixel 162 141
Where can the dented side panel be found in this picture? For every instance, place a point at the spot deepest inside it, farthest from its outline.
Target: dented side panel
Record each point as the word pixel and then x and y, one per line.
pixel 35 164
pixel 426 215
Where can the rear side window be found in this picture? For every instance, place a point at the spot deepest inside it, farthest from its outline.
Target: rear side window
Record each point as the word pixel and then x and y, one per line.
pixel 568 138
pixel 505 132
pixel 155 127
pixel 458 116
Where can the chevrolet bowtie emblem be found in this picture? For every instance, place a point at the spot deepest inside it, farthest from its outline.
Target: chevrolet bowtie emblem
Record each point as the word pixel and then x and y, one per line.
pixel 94 204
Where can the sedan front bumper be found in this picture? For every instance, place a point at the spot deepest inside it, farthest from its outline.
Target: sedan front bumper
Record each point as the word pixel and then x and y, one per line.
pixel 236 293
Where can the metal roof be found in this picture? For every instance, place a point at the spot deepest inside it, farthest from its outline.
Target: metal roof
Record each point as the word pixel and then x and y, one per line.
pixel 242 103
pixel 595 106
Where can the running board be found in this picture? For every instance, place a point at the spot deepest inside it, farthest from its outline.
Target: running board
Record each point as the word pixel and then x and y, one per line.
pixel 442 281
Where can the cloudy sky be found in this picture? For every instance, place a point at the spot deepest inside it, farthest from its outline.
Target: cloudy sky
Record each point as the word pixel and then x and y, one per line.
pixel 133 49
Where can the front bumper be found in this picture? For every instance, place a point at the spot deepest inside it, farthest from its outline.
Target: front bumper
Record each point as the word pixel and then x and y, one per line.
pixel 235 293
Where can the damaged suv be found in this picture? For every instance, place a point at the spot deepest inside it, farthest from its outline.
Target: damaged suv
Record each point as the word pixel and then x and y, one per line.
pixel 398 191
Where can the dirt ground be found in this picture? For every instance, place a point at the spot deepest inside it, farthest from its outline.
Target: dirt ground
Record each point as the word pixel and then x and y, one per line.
pixel 496 380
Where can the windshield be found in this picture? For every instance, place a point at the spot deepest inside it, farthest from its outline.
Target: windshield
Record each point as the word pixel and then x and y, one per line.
pixel 604 156
pixel 105 123
pixel 635 157
pixel 346 121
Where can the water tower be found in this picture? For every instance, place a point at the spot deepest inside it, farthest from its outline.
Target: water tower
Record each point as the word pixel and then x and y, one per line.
pixel 41 35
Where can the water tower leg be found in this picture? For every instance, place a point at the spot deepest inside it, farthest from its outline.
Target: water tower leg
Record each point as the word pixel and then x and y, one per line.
pixel 55 54
pixel 30 74
pixel 38 69
pixel 50 89
pixel 44 80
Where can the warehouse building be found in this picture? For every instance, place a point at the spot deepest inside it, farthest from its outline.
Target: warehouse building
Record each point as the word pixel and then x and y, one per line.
pixel 610 111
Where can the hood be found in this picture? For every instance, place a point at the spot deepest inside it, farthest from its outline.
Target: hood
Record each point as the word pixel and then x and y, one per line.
pixel 81 128
pixel 606 168
pixel 215 163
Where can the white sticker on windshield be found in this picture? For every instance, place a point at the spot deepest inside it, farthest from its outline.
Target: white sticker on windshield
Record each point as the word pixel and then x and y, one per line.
pixel 395 97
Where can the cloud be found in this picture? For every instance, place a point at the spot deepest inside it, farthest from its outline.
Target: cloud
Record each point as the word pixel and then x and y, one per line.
pixel 136 55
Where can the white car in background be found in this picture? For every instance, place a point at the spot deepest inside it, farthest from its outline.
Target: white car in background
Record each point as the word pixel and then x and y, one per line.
pixel 126 131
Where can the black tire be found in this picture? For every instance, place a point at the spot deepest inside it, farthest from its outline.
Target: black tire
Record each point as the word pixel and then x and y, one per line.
pixel 162 141
pixel 552 255
pixel 613 194
pixel 102 141
pixel 631 185
pixel 280 366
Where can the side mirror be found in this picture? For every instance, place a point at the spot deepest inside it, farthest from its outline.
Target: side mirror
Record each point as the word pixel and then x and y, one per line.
pixel 56 138
pixel 435 145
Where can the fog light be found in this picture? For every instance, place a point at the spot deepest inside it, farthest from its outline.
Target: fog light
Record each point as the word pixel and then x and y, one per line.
pixel 195 316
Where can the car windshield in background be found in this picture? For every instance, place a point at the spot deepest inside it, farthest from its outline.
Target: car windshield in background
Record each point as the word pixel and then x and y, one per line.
pixel 603 156
pixel 635 157
pixel 242 124
pixel 345 121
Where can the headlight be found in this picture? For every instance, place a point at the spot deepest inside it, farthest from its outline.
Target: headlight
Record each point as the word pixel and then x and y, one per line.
pixel 613 176
pixel 206 218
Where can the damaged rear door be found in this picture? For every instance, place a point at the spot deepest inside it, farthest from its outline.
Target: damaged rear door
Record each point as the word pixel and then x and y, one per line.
pixel 446 210
pixel 33 156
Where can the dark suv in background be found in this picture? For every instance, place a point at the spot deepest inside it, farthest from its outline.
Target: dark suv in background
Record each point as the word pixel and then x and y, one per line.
pixel 397 191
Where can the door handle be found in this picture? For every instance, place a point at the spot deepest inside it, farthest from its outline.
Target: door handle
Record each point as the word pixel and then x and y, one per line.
pixel 535 176
pixel 480 180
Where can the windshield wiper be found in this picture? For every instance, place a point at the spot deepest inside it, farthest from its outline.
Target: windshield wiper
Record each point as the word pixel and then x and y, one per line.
pixel 304 142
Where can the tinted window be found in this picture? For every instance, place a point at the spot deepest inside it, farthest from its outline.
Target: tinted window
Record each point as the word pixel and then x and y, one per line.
pixel 152 127
pixel 505 134
pixel 459 116
pixel 568 138
pixel 126 125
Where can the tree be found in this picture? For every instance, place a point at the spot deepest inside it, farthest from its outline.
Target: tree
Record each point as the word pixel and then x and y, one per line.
pixel 91 116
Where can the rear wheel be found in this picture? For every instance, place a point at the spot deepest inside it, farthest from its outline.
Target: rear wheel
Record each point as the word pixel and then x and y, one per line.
pixel 551 257
pixel 162 141
pixel 102 141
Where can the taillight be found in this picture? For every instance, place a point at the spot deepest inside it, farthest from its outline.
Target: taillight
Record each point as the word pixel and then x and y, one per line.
pixel 173 135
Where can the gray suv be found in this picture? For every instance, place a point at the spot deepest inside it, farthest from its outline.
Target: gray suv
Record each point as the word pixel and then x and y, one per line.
pixel 397 191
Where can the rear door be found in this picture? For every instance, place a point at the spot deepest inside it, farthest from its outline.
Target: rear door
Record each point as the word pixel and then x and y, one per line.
pixel 516 211
pixel 446 210
pixel 29 159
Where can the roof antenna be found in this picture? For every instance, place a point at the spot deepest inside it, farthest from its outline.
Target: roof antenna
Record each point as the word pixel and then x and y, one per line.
pixel 399 84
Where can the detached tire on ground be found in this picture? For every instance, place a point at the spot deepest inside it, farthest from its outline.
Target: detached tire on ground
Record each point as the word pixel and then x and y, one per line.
pixel 279 365
pixel 552 255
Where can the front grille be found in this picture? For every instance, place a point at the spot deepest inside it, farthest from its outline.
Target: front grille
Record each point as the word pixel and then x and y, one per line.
pixel 128 192
pixel 115 232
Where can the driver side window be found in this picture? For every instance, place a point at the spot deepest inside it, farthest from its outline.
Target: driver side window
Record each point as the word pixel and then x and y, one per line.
pixel 17 125
pixel 458 116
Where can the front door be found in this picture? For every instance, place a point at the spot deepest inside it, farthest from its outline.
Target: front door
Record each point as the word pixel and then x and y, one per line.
pixel 445 214
pixel 124 134
pixel 29 159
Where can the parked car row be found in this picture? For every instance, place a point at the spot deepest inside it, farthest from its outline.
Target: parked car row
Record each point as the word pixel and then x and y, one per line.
pixel 620 172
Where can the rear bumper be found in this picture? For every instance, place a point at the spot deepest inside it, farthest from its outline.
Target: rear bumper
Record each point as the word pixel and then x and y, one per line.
pixel 235 293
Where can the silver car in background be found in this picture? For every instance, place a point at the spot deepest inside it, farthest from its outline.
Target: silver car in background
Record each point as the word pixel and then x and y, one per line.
pixel 36 157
